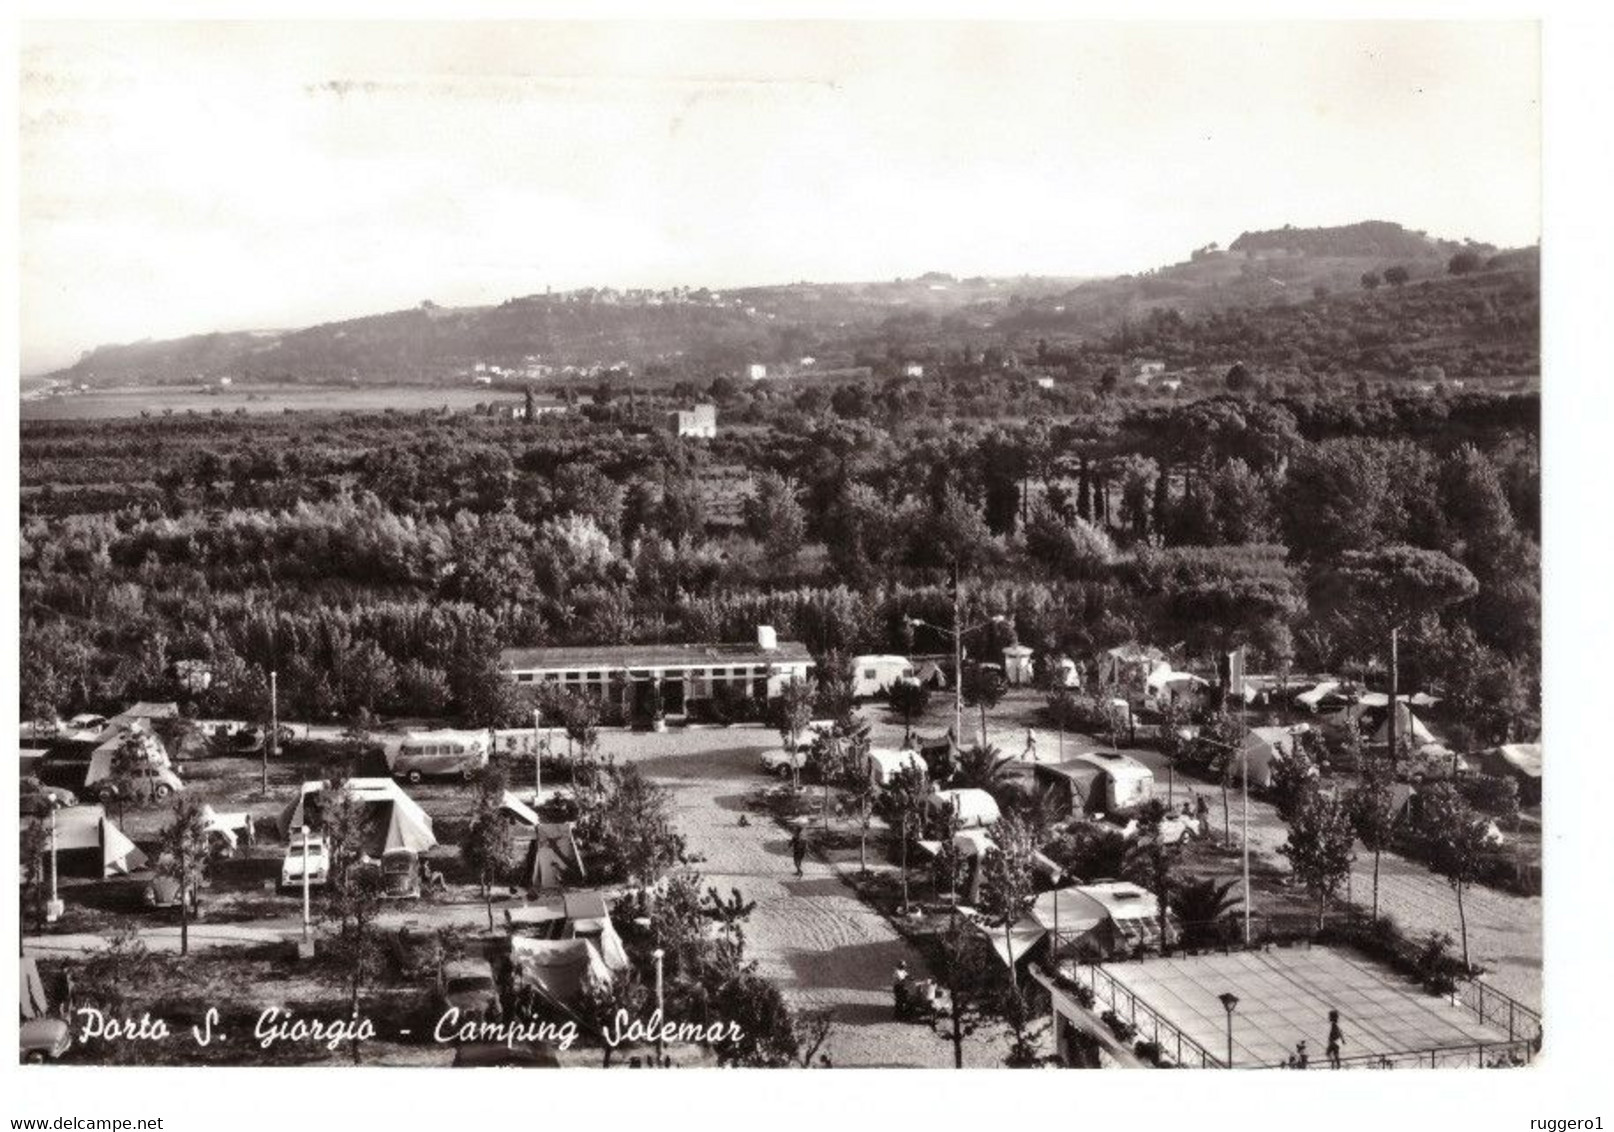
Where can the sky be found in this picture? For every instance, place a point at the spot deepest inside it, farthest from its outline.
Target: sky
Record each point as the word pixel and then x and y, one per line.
pixel 181 178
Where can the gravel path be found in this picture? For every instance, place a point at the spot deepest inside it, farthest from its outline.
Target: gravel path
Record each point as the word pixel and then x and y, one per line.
pixel 822 945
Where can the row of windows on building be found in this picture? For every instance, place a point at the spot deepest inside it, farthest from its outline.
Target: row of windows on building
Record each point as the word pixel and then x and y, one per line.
pixel 602 678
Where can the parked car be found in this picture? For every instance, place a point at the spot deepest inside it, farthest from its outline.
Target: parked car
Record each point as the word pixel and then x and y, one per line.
pixel 418 951
pixel 318 863
pixel 159 783
pixel 468 986
pixel 38 800
pixel 44 1039
pixel 163 892
pixel 523 1055
pixel 400 874
pixel 1175 829
pixel 778 761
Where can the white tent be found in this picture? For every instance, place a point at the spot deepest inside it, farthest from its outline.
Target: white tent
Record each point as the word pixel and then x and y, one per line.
pixel 398 820
pixel 1127 782
pixel 88 827
pixel 588 918
pixel 233 828
pixel 553 860
pixel 1165 687
pixel 1129 664
pixel 561 970
pixel 886 764
pixel 973 808
pixel 519 810
pixel 1017 665
pixel 112 739
pixel 1264 746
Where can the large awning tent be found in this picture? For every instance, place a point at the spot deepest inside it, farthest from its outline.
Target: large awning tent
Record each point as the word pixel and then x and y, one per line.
pixel 151 748
pixel 560 971
pixel 1110 918
pixel 394 820
pixel 885 764
pixel 83 829
pixel 973 809
pixel 1129 665
pixel 1519 761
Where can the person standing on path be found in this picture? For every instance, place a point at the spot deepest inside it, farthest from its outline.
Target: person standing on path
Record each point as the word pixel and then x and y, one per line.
pixel 1336 1038
pixel 1030 753
pixel 798 847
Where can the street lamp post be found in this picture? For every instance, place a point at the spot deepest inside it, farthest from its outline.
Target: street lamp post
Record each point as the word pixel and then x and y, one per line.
pixel 537 757
pixel 658 955
pixel 54 908
pixel 1230 1002
pixel 306 917
pixel 274 726
pixel 957 632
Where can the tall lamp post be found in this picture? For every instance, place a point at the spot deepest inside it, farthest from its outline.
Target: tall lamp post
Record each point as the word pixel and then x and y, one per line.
pixel 957 633
pixel 1230 1002
pixel 307 919
pixel 658 955
pixel 54 907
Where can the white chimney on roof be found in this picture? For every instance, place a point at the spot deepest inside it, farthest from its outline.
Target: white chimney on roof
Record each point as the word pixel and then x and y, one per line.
pixel 767 639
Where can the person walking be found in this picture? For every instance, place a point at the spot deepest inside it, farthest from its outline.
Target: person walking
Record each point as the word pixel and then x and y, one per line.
pixel 1030 753
pixel 1336 1038
pixel 798 847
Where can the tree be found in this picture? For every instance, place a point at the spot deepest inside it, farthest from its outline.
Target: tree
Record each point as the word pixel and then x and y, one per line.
pixel 488 845
pixel 1069 547
pixel 1397 276
pixel 909 699
pixel 1319 847
pixel 1007 891
pixel 984 688
pixel 1456 838
pixel 1370 280
pixel 964 967
pixel 983 767
pixel 775 519
pixel 1294 778
pixel 1202 904
pixel 1138 476
pixel 34 857
pixel 1372 809
pixel 629 830
pixel 792 712
pixel 1465 262
pixel 1238 379
pixel 352 890
pixel 185 853
pixel 902 805
pixel 1148 862
pixel 129 773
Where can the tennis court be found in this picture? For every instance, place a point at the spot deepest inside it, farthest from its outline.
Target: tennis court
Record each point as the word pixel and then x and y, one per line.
pixel 1284 996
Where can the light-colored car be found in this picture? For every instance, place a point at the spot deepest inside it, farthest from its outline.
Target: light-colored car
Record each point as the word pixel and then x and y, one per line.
pixel 778 761
pixel 1175 829
pixel 318 863
pixel 44 1039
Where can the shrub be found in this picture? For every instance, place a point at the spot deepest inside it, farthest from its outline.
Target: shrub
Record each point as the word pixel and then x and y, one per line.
pixel 1120 1027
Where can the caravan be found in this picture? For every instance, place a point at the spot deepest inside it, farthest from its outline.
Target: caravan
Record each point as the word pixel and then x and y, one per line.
pixel 439 754
pixel 872 675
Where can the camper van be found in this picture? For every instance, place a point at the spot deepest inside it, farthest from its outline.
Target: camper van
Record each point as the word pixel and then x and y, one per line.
pixel 872 675
pixel 440 754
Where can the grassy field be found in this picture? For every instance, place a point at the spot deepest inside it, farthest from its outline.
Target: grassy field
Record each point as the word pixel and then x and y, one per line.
pixel 132 402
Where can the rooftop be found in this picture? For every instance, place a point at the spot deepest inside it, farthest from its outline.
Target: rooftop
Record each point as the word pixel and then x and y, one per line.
pixel 1284 996
pixel 652 656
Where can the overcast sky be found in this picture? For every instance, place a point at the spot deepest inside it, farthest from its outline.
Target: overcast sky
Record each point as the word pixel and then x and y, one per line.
pixel 178 178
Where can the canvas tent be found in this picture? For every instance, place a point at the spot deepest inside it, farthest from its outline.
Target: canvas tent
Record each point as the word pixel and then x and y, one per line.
pixel 931 675
pixel 1165 688
pixel 1519 761
pixel 1097 782
pixel 552 859
pixel 84 828
pixel 1017 665
pixel 519 810
pixel 886 764
pixel 1263 747
pixel 559 970
pixel 1129 665
pixel 973 808
pixel 587 917
pixel 396 820
pixel 231 828
pixel 113 738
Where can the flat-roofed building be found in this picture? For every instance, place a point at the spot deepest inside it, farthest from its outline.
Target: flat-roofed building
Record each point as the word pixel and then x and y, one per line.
pixel 701 421
pixel 686 673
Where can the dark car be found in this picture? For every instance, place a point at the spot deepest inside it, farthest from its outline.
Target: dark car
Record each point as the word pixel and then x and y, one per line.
pixel 524 1055
pixel 164 892
pixel 400 874
pixel 38 800
pixel 467 985
pixel 417 951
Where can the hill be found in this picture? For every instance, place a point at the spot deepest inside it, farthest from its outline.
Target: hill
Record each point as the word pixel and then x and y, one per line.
pixel 1294 293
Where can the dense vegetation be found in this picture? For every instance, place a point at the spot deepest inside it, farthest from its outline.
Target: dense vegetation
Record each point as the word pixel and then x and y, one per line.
pixel 379 562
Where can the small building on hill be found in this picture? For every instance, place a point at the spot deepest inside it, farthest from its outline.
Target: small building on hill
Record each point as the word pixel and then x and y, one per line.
pixel 699 422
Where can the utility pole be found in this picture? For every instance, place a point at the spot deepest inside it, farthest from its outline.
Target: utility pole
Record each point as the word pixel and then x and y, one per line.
pixel 307 919
pixel 54 909
pixel 958 659
pixel 1236 685
pixel 1395 695
pixel 274 725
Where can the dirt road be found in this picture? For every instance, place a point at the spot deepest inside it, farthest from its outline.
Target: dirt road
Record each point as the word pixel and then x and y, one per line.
pixel 823 946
